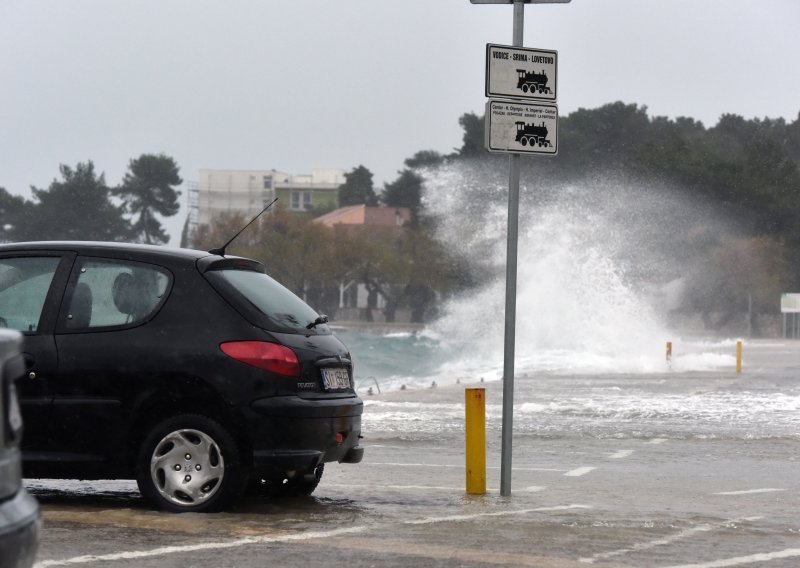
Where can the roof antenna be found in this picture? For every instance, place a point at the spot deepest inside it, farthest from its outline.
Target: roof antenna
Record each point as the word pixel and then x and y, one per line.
pixel 221 251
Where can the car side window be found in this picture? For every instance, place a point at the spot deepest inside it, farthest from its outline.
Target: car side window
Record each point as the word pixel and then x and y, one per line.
pixel 114 293
pixel 24 283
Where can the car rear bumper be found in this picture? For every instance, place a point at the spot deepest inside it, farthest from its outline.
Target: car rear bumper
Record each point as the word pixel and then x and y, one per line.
pixel 20 521
pixel 290 433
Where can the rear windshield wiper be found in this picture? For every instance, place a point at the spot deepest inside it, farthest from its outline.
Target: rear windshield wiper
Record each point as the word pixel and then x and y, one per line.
pixel 322 318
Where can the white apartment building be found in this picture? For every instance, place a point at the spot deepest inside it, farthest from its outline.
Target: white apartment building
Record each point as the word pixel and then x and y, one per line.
pixel 248 191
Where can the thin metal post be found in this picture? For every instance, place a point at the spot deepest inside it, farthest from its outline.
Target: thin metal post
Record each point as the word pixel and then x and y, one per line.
pixel 749 315
pixel 511 292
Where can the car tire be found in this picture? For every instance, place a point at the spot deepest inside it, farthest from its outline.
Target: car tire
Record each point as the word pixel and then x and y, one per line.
pixel 190 463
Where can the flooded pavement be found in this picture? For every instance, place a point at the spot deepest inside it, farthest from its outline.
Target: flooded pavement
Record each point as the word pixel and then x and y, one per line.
pixel 698 469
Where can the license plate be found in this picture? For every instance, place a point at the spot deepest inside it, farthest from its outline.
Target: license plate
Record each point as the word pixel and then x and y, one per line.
pixel 335 379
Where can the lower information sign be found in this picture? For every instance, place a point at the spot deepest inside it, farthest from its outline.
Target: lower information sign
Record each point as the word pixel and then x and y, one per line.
pixel 521 128
pixel 790 303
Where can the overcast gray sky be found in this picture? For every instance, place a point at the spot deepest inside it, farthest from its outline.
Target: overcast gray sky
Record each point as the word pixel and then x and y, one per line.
pixel 260 84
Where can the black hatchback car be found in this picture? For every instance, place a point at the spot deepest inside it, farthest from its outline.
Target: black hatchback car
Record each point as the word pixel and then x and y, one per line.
pixel 194 373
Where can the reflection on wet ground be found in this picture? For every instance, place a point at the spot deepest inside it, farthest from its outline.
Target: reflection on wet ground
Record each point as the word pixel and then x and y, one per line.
pixel 118 503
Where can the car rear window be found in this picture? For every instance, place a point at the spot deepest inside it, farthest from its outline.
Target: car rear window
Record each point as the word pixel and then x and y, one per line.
pixel 275 307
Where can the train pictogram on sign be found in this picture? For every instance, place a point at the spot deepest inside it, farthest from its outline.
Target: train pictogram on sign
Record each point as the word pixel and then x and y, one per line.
pixel 532 134
pixel 532 81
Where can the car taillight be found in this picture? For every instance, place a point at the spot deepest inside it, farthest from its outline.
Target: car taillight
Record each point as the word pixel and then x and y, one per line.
pixel 262 355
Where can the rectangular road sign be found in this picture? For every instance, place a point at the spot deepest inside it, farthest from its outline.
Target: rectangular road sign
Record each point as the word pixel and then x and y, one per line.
pixel 790 303
pixel 521 127
pixel 521 73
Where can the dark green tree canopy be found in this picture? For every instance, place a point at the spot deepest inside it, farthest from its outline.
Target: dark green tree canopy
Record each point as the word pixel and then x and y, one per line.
pixel 147 190
pixel 473 139
pixel 357 188
pixel 424 159
pixel 75 208
pixel 405 191
pixel 13 215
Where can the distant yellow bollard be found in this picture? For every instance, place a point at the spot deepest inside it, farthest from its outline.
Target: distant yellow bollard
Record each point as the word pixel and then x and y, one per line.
pixel 669 351
pixel 738 356
pixel 475 400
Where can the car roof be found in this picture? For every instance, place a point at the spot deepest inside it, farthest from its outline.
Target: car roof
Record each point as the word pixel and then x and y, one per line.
pixel 104 248
pixel 156 254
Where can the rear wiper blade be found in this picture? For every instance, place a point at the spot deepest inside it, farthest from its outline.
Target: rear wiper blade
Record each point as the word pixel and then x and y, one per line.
pixel 322 318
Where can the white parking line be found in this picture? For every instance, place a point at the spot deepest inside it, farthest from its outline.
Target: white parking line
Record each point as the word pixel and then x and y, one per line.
pixel 529 489
pixel 532 489
pixel 407 464
pixel 165 550
pixel 579 471
pixel 399 487
pixel 750 491
pixel 452 518
pixel 639 547
pixel 620 454
pixel 657 441
pixel 739 560
pixel 446 465
pixel 528 468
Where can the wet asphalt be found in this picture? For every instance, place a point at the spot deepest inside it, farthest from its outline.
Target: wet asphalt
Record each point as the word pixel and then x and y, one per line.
pixel 651 500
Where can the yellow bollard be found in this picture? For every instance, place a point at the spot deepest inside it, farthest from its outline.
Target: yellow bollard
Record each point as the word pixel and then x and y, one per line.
pixel 738 356
pixel 669 351
pixel 476 440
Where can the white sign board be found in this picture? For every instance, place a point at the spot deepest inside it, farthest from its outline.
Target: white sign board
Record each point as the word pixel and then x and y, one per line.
pixel 790 303
pixel 521 128
pixel 521 73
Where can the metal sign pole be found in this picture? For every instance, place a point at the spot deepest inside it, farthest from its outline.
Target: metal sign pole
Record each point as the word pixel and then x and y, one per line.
pixel 511 291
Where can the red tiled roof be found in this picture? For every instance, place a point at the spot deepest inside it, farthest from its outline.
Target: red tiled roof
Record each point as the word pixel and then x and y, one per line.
pixel 363 215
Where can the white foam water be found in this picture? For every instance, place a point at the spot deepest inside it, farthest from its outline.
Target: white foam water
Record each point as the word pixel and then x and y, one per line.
pixel 605 412
pixel 584 304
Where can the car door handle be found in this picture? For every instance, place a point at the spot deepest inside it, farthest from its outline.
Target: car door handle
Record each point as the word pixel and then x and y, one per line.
pixel 30 361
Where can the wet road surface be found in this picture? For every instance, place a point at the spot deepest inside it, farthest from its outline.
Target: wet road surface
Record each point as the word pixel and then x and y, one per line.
pixel 655 489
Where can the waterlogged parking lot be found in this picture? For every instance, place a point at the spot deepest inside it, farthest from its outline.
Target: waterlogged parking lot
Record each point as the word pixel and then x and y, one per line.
pixel 672 468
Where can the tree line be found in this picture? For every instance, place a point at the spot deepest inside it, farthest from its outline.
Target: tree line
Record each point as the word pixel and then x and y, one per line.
pixel 81 205
pixel 747 170
pixel 750 169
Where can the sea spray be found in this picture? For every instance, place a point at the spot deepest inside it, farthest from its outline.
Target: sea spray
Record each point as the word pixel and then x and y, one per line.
pixel 594 261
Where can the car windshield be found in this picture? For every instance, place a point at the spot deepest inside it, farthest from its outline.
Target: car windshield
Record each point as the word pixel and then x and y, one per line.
pixel 278 308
